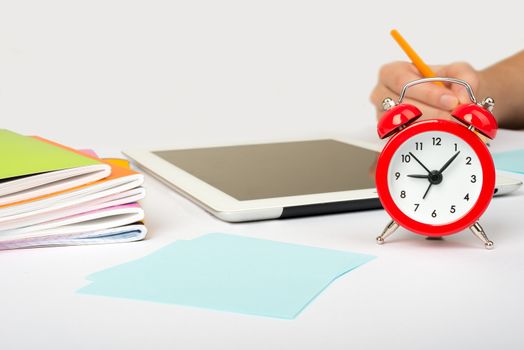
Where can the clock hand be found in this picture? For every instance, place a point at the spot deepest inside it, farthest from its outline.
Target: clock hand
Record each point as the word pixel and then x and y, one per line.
pixel 416 176
pixel 448 162
pixel 424 196
pixel 418 161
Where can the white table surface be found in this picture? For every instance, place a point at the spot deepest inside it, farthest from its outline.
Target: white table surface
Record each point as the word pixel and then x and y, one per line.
pixel 120 74
pixel 417 294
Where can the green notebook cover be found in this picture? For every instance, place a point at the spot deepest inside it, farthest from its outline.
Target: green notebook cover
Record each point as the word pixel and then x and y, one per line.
pixel 23 155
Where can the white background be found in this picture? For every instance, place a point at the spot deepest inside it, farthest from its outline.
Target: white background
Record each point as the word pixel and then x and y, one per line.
pixel 136 74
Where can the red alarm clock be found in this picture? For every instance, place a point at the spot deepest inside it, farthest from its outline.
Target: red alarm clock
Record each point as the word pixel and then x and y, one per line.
pixel 436 177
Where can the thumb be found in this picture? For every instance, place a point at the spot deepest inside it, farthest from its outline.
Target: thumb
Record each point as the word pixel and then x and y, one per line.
pixel 463 71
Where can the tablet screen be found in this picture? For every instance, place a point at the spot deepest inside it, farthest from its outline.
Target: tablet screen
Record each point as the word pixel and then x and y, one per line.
pixel 263 171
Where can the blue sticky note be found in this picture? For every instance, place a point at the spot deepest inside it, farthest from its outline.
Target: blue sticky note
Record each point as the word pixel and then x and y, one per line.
pixel 229 273
pixel 510 161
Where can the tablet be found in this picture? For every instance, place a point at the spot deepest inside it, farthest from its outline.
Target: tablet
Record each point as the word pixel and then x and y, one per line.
pixel 272 180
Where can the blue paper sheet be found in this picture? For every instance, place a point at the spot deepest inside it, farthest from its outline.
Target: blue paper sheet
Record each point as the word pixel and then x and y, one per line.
pixel 510 161
pixel 229 273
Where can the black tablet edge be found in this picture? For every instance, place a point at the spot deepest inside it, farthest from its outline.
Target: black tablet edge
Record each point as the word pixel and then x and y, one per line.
pixel 330 208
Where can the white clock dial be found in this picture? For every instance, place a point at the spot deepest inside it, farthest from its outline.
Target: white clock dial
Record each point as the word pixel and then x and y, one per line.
pixel 425 193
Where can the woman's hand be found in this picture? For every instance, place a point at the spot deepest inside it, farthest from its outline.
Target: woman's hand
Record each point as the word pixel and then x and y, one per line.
pixel 433 100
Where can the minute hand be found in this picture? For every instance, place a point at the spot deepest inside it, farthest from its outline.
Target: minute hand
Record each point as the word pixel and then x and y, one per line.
pixel 418 161
pixel 444 167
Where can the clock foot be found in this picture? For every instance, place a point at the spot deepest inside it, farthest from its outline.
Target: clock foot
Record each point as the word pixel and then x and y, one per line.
pixel 390 228
pixel 479 232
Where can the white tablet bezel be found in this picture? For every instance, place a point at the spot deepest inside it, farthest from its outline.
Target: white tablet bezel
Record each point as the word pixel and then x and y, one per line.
pixel 229 208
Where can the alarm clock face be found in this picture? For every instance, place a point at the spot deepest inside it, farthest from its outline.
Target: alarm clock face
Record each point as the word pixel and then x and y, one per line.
pixel 435 177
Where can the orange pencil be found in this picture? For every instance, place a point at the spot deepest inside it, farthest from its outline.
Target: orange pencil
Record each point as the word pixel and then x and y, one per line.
pixel 422 67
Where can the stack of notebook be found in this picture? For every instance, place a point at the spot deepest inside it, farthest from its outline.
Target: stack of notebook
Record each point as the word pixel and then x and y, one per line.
pixel 53 195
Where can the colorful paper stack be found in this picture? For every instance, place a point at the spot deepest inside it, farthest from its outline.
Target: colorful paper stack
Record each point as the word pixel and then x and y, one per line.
pixel 53 195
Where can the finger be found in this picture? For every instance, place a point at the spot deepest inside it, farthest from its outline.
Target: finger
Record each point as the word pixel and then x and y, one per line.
pixel 396 75
pixel 463 71
pixel 434 95
pixel 388 74
pixel 437 68
pixel 379 93
pixel 427 110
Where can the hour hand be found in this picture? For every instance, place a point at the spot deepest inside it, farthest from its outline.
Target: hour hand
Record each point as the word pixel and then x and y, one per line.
pixel 417 176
